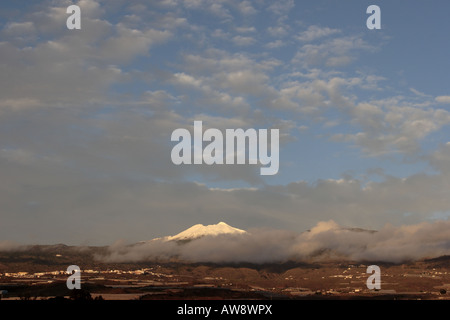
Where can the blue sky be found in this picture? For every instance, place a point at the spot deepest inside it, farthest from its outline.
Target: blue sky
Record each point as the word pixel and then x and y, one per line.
pixel 86 115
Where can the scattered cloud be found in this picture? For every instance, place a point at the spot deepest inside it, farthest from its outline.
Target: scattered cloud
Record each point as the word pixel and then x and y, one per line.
pixel 278 31
pixel 243 41
pixel 325 241
pixel 336 52
pixel 282 7
pixel 275 44
pixel 246 8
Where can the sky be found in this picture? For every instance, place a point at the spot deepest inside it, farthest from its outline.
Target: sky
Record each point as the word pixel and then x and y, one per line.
pixel 86 116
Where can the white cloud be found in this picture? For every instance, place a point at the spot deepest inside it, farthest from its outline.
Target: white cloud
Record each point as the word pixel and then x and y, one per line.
pixel 246 8
pixel 281 7
pixel 394 128
pixel 219 10
pixel 443 99
pixel 275 44
pixel 130 43
pixel 185 79
pixel 379 127
pixel 224 78
pixel 69 68
pixel 278 31
pixel 316 32
pixel 245 29
pixel 326 240
pixel 19 28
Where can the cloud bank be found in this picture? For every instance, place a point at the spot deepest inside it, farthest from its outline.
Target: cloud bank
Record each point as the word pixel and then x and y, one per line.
pixel 325 241
pixel 9 246
pixel 86 119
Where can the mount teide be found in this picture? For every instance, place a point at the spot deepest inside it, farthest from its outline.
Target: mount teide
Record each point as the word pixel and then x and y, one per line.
pixel 200 230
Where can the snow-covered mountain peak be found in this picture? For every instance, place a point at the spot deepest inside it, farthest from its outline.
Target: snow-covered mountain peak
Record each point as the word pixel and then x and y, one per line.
pixel 199 230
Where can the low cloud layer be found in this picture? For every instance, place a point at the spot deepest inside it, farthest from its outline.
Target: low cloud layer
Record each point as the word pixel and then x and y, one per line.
pixel 7 246
pixel 326 241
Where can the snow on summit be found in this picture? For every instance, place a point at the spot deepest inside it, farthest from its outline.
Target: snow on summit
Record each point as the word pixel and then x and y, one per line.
pixel 199 230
